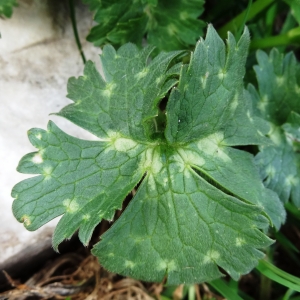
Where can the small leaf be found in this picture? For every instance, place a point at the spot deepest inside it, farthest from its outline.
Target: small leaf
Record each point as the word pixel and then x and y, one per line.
pixel 167 25
pixel 292 127
pixel 280 166
pixel 278 101
pixel 295 8
pixel 6 7
pixel 278 79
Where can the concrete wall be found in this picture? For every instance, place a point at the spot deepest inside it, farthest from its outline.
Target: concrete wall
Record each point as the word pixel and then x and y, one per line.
pixel 38 54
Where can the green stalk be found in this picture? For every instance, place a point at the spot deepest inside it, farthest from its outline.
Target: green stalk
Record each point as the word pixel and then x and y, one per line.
pixel 222 287
pixel 288 294
pixel 291 37
pixel 265 287
pixel 246 15
pixel 275 274
pixel 74 25
pixel 191 292
pixel 291 208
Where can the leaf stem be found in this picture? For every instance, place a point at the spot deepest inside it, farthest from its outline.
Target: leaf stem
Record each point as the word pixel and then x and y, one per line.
pixel 239 33
pixel 275 274
pixel 265 287
pixel 74 26
pixel 291 208
pixel 244 16
pixel 191 292
pixel 222 287
pixel 291 37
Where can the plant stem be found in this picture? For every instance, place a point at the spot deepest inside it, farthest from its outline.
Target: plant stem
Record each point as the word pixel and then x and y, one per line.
pixel 293 210
pixel 191 293
pixel 265 287
pixel 291 37
pixel 74 25
pixel 239 32
pixel 288 294
pixel 222 287
pixel 246 15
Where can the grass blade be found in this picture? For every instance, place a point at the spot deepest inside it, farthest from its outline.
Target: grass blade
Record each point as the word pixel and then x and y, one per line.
pixel 279 276
pixel 222 287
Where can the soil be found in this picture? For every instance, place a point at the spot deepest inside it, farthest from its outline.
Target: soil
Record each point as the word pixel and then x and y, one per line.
pixel 76 274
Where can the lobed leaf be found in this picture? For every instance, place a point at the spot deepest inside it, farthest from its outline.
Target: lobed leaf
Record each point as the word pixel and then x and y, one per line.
pixel 199 206
pixel 84 180
pixel 295 9
pixel 278 80
pixel 278 101
pixel 181 226
pixel 234 172
pixel 129 93
pixel 210 96
pixel 167 25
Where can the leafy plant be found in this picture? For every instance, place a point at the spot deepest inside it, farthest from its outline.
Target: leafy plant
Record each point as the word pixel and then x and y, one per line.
pixel 278 101
pixel 6 7
pixel 169 25
pixel 295 8
pixel 200 203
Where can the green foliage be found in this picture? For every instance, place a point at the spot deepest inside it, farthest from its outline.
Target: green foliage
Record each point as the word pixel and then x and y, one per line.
pixel 295 9
pixel 200 203
pixel 278 101
pixel 278 275
pixel 225 290
pixel 6 7
pixel 169 25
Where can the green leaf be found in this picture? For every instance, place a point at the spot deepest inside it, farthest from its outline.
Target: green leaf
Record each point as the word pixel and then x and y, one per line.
pixel 6 7
pixel 280 167
pixel 234 171
pixel 222 287
pixel 130 92
pixel 180 225
pixel 199 206
pixel 167 25
pixel 278 79
pixel 291 128
pixel 279 275
pixel 219 94
pixel 278 101
pixel 295 8
pixel 84 180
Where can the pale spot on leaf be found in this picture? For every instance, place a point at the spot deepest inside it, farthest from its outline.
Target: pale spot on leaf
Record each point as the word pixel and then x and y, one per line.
pixel 211 256
pixel 123 144
pixel 129 264
pixel 270 170
pixel 71 205
pixel 47 171
pixel 239 242
pixel 280 80
pixel 26 220
pixel 142 74
pixel 37 159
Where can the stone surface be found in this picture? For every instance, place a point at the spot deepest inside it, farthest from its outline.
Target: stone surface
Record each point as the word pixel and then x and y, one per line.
pixel 38 54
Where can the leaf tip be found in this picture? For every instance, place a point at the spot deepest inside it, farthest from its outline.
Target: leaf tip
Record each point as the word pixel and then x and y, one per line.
pixel 25 219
